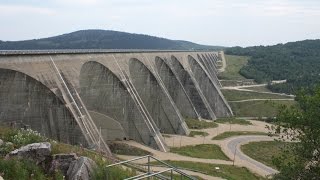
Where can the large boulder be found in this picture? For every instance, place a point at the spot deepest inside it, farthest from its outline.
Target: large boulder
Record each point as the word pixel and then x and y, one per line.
pixel 37 152
pixel 61 162
pixel 81 169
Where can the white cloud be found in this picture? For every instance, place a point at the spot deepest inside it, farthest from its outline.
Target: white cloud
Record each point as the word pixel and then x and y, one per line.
pixel 77 2
pixel 21 9
pixel 223 22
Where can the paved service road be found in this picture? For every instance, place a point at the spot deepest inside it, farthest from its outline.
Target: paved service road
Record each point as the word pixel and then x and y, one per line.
pixel 232 146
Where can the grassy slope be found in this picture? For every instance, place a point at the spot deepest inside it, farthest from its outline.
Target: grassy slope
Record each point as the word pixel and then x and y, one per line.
pixel 253 108
pixel 233 121
pixel 234 64
pixel 198 133
pixel 258 108
pixel 259 88
pixel 196 124
pixel 237 133
pixel 235 95
pixel 225 171
pixel 125 149
pixel 266 148
pixel 205 151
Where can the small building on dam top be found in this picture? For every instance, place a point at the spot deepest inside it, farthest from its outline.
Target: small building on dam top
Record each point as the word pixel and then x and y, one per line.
pixel 83 98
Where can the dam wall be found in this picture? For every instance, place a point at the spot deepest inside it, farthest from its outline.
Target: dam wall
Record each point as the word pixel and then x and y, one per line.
pixel 88 97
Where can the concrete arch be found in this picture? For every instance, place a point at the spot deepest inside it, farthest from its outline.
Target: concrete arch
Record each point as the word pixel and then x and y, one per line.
pixel 213 61
pixel 210 62
pixel 191 88
pixel 202 62
pixel 212 69
pixel 26 101
pixel 211 92
pixel 202 59
pixel 154 99
pixel 215 57
pixel 108 98
pixel 175 89
pixel 208 66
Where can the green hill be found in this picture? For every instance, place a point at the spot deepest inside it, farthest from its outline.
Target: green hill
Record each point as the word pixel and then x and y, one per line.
pixel 297 62
pixel 103 39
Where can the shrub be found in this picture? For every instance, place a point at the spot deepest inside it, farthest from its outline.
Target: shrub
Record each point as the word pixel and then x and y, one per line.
pixel 20 170
pixel 23 137
pixel 6 148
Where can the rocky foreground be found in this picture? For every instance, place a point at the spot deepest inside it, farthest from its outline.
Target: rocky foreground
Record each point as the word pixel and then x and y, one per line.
pixel 70 165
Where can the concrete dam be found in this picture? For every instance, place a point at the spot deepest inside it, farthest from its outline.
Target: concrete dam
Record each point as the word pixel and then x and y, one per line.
pixel 94 97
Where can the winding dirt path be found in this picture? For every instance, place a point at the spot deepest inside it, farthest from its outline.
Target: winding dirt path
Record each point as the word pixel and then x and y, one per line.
pixel 231 147
pixel 178 141
pixel 242 88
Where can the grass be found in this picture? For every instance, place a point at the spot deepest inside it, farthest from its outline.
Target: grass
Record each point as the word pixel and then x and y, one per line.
pixel 237 133
pixel 235 95
pixel 258 108
pixel 178 176
pixel 197 124
pixel 229 83
pixel 263 151
pixel 205 151
pixel 225 171
pixel 234 64
pixel 225 83
pixel 198 133
pixel 24 169
pixel 233 121
pixel 166 136
pixel 258 88
pixel 125 149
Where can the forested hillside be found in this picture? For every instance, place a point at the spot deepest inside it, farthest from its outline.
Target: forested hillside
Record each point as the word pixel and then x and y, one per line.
pixel 297 62
pixel 103 39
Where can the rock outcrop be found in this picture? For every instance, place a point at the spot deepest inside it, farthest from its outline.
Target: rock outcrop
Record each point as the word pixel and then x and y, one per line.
pixel 81 169
pixel 61 162
pixel 37 152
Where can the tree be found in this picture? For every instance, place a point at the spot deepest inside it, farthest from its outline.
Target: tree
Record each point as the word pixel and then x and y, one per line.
pixel 301 124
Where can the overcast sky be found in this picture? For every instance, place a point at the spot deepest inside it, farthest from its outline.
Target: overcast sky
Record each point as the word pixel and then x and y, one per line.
pixel 212 22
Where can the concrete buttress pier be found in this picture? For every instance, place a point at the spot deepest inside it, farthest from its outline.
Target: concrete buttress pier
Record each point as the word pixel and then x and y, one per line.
pixel 88 97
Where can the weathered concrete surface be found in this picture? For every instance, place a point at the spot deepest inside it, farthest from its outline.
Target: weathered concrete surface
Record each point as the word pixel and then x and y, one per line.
pixel 210 89
pixel 133 95
pixel 25 100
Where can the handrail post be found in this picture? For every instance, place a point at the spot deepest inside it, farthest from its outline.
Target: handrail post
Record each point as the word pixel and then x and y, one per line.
pixel 107 173
pixel 148 166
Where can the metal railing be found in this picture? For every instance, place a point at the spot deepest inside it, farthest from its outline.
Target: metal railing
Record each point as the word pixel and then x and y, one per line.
pixel 148 173
pixel 88 51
